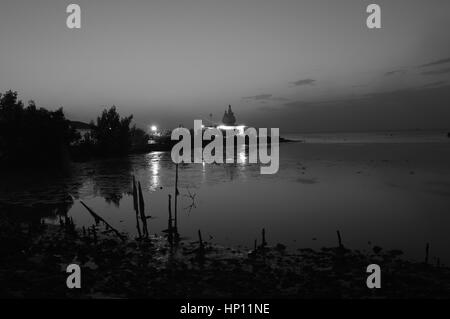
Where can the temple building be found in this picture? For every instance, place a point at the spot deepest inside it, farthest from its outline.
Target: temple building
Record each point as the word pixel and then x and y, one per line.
pixel 228 117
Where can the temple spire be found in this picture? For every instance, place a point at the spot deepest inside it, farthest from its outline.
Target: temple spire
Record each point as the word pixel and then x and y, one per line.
pixel 228 117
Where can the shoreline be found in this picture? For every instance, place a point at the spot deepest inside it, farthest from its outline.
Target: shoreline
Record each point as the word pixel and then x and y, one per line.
pixel 36 258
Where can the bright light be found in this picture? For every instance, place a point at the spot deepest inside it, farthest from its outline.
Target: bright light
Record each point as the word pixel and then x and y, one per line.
pixel 238 129
pixel 153 128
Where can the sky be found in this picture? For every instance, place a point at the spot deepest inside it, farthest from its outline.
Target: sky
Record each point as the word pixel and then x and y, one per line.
pixel 300 65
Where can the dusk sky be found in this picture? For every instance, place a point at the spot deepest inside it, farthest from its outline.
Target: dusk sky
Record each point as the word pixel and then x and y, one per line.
pixel 300 65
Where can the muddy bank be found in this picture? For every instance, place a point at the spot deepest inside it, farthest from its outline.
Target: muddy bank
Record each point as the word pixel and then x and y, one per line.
pixel 35 257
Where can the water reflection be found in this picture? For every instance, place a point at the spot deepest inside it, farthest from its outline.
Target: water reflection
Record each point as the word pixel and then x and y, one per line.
pixel 154 160
pixel 29 195
pixel 110 179
pixel 242 154
pixel 308 197
pixel 236 199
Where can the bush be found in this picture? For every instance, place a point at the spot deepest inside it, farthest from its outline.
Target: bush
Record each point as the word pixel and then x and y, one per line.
pixel 33 136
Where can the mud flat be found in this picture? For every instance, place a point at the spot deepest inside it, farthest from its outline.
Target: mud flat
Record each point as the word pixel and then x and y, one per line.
pixel 35 257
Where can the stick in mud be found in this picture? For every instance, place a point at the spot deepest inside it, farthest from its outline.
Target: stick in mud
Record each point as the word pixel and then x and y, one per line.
pixel 99 218
pixel 339 239
pixel 142 212
pixel 136 207
pixel 170 213
pixel 169 226
pixel 264 243
pixel 175 227
pixel 176 196
pixel 200 240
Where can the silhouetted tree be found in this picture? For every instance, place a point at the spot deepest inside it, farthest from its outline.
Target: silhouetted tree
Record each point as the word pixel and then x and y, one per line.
pixel 112 133
pixel 31 135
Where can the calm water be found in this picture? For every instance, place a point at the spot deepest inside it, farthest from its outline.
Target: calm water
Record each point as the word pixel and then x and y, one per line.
pixel 372 137
pixel 393 194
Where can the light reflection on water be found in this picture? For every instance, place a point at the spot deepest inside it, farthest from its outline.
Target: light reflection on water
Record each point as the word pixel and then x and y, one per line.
pixel 154 160
pixel 366 192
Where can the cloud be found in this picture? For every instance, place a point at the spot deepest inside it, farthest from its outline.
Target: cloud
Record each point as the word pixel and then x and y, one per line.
pixel 399 94
pixel 279 99
pixel 437 72
pixel 401 109
pixel 265 98
pixel 304 82
pixel 435 84
pixel 303 104
pixel 394 72
pixel 258 97
pixel 438 62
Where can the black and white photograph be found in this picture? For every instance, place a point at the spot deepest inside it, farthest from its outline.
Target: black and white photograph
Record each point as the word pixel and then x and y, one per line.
pixel 209 151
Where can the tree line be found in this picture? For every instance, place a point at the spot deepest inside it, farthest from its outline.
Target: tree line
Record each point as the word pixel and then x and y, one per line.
pixel 37 136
